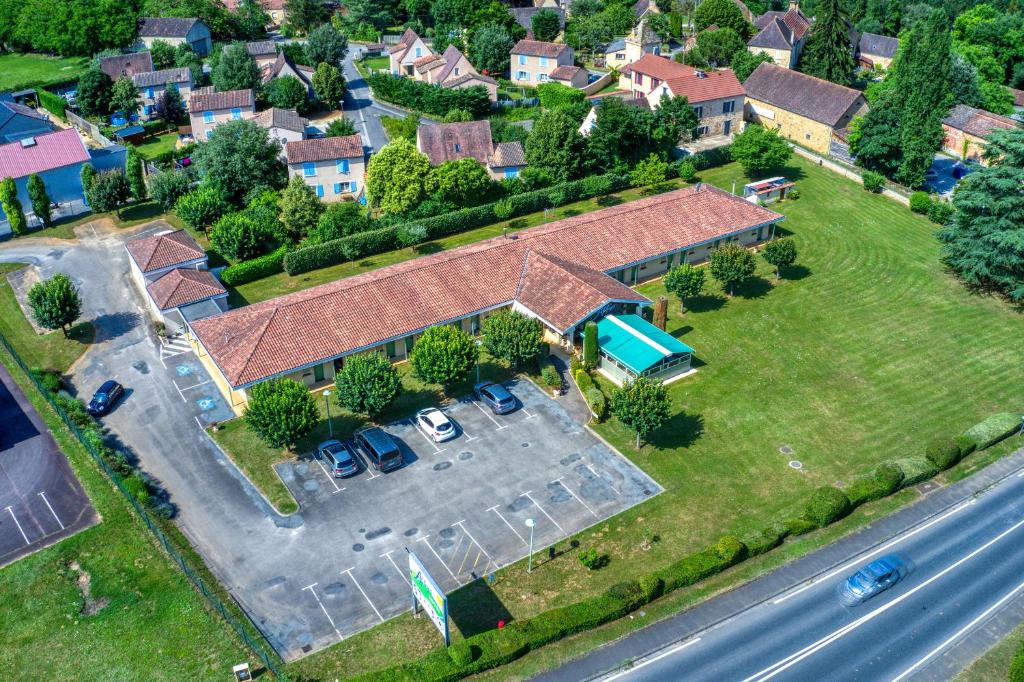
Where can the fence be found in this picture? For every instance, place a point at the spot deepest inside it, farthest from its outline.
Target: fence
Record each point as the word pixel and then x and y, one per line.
pixel 91 129
pixel 200 584
pixel 513 103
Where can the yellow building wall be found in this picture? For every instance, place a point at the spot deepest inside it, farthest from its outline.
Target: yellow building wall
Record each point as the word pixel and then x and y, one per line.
pixel 811 134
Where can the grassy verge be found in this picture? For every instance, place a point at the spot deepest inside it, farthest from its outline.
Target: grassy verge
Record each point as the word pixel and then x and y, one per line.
pixel 27 70
pixel 994 665
pixel 157 145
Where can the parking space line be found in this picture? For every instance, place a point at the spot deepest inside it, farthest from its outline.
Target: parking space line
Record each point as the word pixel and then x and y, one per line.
pixel 424 541
pixel 388 555
pixel 601 478
pixel 55 517
pixel 366 466
pixel 510 526
pixel 527 495
pixel 331 478
pixel 490 559
pixel 201 383
pixel 528 414
pixel 493 420
pixel 20 529
pixel 329 619
pixel 574 495
pixel 416 428
pixel 178 389
pixel 360 588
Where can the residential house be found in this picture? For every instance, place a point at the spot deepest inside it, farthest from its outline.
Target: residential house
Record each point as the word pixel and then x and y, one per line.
pixel 524 16
pixel 284 66
pixel 643 7
pixel 283 125
pixel 153 84
pixel 332 166
pixel 781 35
pixel 532 61
pixel 208 109
pixel 640 41
pixel 471 140
pixel 878 51
pixel 275 9
pixel 804 109
pixel 1018 104
pixel 965 129
pixel 403 55
pixel 264 52
pixel 452 70
pixel 57 157
pixel 570 76
pixel 190 31
pixel 128 65
pixel 18 121
pixel 590 120
pixel 564 273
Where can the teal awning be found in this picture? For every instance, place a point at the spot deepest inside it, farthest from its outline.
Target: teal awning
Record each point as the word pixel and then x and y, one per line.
pixel 636 343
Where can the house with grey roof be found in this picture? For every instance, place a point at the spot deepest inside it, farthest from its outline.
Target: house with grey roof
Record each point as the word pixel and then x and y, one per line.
pixel 153 84
pixel 128 65
pixel 18 121
pixel 283 125
pixel 471 140
pixel 874 50
pixel 176 31
pixel 965 128
pixel 451 69
pixel 781 35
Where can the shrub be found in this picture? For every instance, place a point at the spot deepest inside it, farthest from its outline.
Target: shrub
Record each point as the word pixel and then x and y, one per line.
pixel 167 187
pixel 431 99
pixel 915 470
pixel 48 379
pixel 628 593
pixel 252 270
pixel 798 526
pixel 590 349
pixel 940 212
pixel 200 208
pixel 550 376
pixel 864 489
pixel 943 452
pixel 920 202
pixel 686 170
pixel 889 476
pixel 965 444
pixel 575 364
pixel 825 505
pixel 55 104
pixel 730 549
pixel 461 653
pixel 584 380
pixel 765 539
pixel 651 586
pixel 591 559
pixel 1017 666
pixel 597 402
pixel 692 569
pixel 873 182
pixel 994 429
pixel 793 194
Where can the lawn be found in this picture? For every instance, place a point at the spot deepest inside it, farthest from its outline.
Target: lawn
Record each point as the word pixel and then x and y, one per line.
pixel 156 145
pixel 994 665
pixel 29 70
pixel 861 354
pixel 374 63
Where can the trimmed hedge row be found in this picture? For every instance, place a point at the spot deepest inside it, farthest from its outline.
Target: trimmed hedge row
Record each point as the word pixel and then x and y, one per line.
pixel 594 396
pixel 428 98
pixel 55 104
pixel 254 269
pixel 994 429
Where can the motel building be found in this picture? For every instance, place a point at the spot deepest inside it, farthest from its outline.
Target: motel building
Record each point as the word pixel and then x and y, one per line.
pixel 565 273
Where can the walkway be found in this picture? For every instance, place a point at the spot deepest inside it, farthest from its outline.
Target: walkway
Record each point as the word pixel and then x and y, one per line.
pixel 572 400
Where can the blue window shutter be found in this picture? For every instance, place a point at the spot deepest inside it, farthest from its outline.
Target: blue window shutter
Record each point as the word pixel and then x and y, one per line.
pixel 149 93
pixel 207 117
pixel 352 186
pixel 309 170
pixel 320 191
pixel 337 188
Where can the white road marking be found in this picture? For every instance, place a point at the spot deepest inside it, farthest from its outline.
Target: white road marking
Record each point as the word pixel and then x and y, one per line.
pixel 601 478
pixel 48 506
pixel 862 557
pixel 527 413
pixel 424 541
pixel 329 619
pixel 653 660
pixel 388 556
pixel 25 537
pixel 493 420
pixel 575 496
pixel 360 588
pixel 201 383
pixel 333 482
pixel 527 495
pixel 791 660
pixel 510 526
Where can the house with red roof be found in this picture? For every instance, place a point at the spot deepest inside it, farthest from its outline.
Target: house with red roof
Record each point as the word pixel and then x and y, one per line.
pixel 333 166
pixel 451 69
pixel 403 55
pixel 57 158
pixel 533 61
pixel 207 109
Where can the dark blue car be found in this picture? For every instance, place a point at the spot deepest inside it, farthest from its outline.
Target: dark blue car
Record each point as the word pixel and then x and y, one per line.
pixel 876 577
pixel 105 398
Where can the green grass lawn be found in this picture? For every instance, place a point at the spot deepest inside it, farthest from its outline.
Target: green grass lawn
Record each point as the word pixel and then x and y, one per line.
pixel 374 63
pixel 28 70
pixel 994 665
pixel 157 145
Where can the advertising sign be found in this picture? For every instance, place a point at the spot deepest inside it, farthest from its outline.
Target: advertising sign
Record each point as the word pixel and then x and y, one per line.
pixel 427 594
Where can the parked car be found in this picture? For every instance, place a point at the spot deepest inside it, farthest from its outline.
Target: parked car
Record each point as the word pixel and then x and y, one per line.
pixel 339 457
pixel 435 424
pixel 875 578
pixel 495 396
pixel 380 449
pixel 105 397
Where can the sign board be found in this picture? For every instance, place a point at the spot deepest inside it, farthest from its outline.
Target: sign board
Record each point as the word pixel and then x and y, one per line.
pixel 427 594
pixel 241 672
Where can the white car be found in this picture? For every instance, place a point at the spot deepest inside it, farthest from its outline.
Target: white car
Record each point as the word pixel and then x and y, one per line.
pixel 435 424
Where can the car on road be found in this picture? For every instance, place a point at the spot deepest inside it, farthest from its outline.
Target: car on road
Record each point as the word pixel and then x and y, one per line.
pixel 339 457
pixel 380 449
pixel 435 424
pixel 495 396
pixel 105 397
pixel 873 579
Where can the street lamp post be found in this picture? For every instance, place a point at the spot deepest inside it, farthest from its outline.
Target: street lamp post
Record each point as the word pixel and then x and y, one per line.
pixel 478 344
pixel 327 402
pixel 530 523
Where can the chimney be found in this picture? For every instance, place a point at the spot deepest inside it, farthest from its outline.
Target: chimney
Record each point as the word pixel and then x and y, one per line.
pixel 700 74
pixel 697 187
pixel 794 4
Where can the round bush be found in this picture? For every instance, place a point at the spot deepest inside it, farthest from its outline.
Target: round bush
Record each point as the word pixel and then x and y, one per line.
pixel 730 549
pixel 598 403
pixel 825 505
pixel 940 212
pixel 651 586
pixel 920 202
pixel 889 476
pixel 461 653
pixel 943 452
pixel 798 526
pixel 873 182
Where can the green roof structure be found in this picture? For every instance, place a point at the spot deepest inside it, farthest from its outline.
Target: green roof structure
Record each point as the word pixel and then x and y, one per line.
pixel 637 344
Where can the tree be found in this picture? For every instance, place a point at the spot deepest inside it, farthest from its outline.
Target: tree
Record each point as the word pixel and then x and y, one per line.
pixel 724 14
pixel 40 199
pixel 239 236
pixel 622 135
pixel 590 350
pixel 162 54
pixel 463 182
pixel 124 97
pixel 649 172
pixel 453 116
pixel 55 302
pixel 251 19
pixel 300 208
pixel 719 47
pixel 169 106
pixel 556 145
pixel 87 176
pixel 490 49
pixel 744 63
pixel 304 15
pixel 828 53
pixel 133 172
pixel 443 355
pixel 684 281
pixel 110 190
pixel 780 253
pixel 641 405
pixel 731 265
pixel 167 186
pixel 239 156
pixel 280 412
pixel 11 205
pixel 325 45
pixel 338 220
pixel 94 91
pixel 329 85
pixel 674 120
pixel 546 24
pixel 875 139
pixel 201 207
pixel 367 383
pixel 340 127
pixel 513 337
pixel 759 150
pixel 396 175
pixel 235 69
pixel 286 92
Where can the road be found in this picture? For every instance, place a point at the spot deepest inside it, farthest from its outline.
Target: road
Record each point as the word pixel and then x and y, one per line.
pixel 964 594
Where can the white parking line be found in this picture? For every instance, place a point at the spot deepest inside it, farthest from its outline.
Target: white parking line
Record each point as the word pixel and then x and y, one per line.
pixel 366 465
pixel 510 526
pixel 359 587
pixel 329 619
pixel 575 496
pixel 493 420
pixel 424 541
pixel 388 556
pixel 331 478
pixel 201 383
pixel 527 495
pixel 601 478
pixel 490 559
pixel 55 517
pixel 20 530
pixel 528 414
pixel 416 428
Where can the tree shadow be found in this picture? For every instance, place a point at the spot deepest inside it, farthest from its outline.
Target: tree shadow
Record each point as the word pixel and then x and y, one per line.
pixel 781 231
pixel 681 430
pixel 146 210
pixel 680 332
pixel 112 325
pixel 796 272
pixel 570 212
pixel 754 287
pixel 705 303
pixel 428 248
pixel 476 608
pixel 236 299
pixel 516 224
pixel 609 200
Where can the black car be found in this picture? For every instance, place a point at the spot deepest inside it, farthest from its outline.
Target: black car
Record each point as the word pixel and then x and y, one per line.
pixel 496 397
pixel 105 397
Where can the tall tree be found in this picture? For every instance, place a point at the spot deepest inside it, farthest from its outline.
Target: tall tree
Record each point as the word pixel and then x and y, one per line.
pixel 513 337
pixel 124 97
pixel 287 92
pixel 641 405
pixel 55 302
pixel 300 208
pixel 760 150
pixel 40 199
pixel 443 355
pixel 555 145
pixel 169 106
pixel 133 172
pixel 329 85
pixel 744 63
pixel 828 53
pixel 684 281
pixel 280 412
pixel 239 156
pixel 546 24
pixel 724 14
pixel 395 177
pixel 325 44
pixel 718 48
pixel 304 15
pixel 674 121
pixel 621 136
pixel 489 51
pixel 235 69
pixel 94 91
pixel 11 205
pixel 463 182
pixel 367 383
pixel 109 192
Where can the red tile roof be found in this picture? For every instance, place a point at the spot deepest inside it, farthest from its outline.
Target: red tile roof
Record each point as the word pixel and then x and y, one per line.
pixel 304 328
pixel 164 250
pixel 182 286
pixel 564 72
pixel 324 149
pixel 126 64
pixel 539 48
pixel 451 141
pixel 205 99
pixel 49 151
pixel 701 86
pixel 658 67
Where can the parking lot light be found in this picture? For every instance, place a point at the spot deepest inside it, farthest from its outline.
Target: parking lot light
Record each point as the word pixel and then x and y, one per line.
pixel 327 402
pixel 530 523
pixel 478 344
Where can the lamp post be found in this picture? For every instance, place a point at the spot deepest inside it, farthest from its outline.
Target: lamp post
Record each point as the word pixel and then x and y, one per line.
pixel 478 344
pixel 530 523
pixel 327 402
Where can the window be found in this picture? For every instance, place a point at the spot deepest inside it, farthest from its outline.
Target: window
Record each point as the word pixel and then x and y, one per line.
pixel 236 114
pixel 522 75
pixel 700 111
pixel 703 130
pixel 638 78
pixel 419 52
pixel 149 93
pixel 458 147
pixel 207 117
pixel 458 71
pixel 543 78
pixel 654 83
pixel 145 109
pixel 320 191
pixel 352 187
pixel 337 188
pixel 620 55
pixel 511 172
pixel 808 136
pixel 309 170
pixel 729 107
pixel 544 61
pixel 342 166
pixel 522 60
pixel 209 134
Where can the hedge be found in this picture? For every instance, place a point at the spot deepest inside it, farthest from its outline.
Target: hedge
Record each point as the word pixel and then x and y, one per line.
pixel 994 429
pixel 428 98
pixel 1017 666
pixel 597 402
pixel 943 452
pixel 826 504
pixel 916 469
pixel 55 104
pixel 920 202
pixel 254 269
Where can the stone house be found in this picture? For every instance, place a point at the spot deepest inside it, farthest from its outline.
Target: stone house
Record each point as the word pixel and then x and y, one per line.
pixel 208 109
pixel 174 31
pixel 333 166
pixel 804 109
pixel 117 66
pixel 965 129
pixel 640 41
pixel 471 140
pixel 403 55
pixel 781 35
pixel 263 52
pixel 874 50
pixel 532 61
pixel 153 84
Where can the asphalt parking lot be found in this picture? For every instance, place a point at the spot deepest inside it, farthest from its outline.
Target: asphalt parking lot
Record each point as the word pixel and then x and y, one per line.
pixel 461 506
pixel 41 501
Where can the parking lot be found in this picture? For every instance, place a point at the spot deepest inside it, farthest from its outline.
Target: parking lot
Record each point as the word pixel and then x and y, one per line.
pixel 41 501
pixel 461 505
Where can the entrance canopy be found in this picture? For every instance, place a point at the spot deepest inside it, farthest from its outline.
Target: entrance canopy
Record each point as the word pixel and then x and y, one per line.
pixel 636 344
